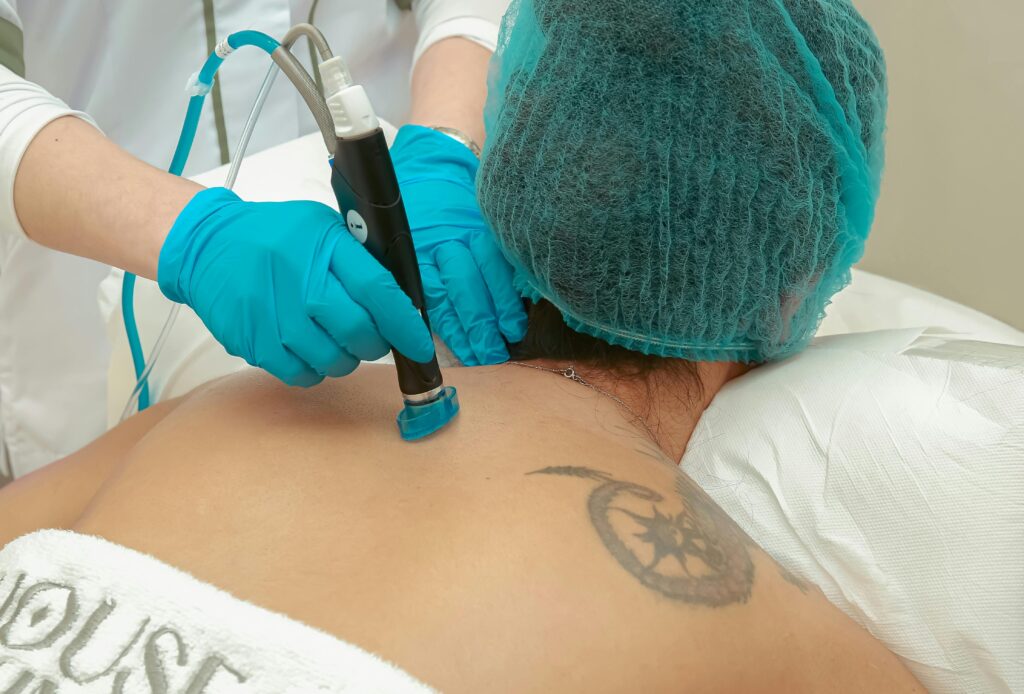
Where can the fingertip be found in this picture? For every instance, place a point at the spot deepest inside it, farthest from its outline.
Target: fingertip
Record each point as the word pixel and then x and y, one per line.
pixel 514 327
pixel 422 347
pixel 377 354
pixel 411 337
pixel 446 325
pixel 290 370
pixel 304 379
pixel 279 368
pixel 488 347
pixel 343 367
pixel 494 356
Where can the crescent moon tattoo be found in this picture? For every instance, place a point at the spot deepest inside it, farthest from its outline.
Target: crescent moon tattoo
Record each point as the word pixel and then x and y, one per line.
pixel 695 555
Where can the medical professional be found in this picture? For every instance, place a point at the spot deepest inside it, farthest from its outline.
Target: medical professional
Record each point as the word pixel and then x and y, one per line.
pixel 91 102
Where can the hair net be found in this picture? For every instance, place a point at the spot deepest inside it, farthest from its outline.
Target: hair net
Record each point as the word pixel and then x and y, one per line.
pixel 685 178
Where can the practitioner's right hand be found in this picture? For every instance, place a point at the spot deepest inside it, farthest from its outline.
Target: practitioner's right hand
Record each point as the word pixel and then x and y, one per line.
pixel 286 287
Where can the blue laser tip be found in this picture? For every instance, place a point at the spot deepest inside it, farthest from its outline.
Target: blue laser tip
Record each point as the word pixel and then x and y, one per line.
pixel 418 421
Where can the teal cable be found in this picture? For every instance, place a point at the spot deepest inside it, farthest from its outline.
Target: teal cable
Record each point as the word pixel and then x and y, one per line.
pixel 248 37
pixel 134 344
pixel 188 133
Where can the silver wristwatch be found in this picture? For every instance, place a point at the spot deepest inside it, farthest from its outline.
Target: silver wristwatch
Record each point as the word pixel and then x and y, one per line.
pixel 459 136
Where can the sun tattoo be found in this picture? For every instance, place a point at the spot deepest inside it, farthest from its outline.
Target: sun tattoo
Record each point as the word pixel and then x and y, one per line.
pixel 691 552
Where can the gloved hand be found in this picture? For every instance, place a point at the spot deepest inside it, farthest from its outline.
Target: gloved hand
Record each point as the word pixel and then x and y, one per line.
pixel 285 286
pixel 470 298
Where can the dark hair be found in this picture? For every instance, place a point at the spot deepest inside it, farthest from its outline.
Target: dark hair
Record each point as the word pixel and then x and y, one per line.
pixel 548 337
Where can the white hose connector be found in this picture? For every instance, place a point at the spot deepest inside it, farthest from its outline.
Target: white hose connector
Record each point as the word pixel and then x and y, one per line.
pixel 223 49
pixel 350 108
pixel 335 75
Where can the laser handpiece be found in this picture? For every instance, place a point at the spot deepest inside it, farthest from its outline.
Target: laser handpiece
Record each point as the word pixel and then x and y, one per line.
pixel 368 196
pixel 365 185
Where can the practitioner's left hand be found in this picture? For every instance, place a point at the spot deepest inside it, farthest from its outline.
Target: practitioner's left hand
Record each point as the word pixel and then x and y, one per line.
pixel 470 298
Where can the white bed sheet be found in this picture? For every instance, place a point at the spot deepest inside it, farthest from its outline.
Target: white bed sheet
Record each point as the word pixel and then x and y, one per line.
pixel 872 302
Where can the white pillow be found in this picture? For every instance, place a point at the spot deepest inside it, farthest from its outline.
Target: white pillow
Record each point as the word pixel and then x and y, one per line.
pixel 872 302
pixel 888 469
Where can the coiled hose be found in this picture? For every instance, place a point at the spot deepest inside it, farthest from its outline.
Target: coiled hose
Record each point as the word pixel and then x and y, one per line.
pixel 284 61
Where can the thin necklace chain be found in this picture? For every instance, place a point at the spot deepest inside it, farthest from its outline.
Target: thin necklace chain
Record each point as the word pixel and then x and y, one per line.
pixel 571 373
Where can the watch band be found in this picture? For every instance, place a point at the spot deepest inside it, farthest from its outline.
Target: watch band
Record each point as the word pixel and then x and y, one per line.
pixel 459 136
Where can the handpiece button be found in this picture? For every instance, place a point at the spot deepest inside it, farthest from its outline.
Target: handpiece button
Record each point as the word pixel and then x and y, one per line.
pixel 357 226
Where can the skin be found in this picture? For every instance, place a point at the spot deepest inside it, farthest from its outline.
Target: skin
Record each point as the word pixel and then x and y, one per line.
pixel 514 551
pixel 78 192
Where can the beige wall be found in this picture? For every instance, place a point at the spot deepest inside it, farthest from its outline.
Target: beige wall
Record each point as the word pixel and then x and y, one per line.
pixel 951 217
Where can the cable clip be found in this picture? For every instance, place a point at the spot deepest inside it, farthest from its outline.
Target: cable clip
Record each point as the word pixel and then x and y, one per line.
pixel 195 87
pixel 223 49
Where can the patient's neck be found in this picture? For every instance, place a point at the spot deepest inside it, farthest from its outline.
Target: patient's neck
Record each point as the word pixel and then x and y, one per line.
pixel 664 405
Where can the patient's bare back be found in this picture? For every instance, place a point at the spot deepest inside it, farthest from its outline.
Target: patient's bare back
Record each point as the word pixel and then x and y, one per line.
pixel 523 549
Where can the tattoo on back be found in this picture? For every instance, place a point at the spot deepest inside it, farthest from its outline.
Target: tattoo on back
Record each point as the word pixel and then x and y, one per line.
pixel 686 549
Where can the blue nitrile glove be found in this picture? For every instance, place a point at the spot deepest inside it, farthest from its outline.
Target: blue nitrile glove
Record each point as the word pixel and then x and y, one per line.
pixel 285 286
pixel 472 303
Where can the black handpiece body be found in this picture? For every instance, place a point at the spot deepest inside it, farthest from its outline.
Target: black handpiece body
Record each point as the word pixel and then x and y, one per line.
pixel 364 182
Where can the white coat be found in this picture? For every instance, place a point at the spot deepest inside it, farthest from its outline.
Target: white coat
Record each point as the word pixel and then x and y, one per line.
pixel 124 65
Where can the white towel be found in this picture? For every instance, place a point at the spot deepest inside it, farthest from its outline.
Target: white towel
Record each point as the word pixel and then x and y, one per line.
pixel 80 615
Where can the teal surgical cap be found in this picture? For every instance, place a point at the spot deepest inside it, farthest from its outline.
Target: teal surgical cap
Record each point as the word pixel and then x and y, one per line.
pixel 685 178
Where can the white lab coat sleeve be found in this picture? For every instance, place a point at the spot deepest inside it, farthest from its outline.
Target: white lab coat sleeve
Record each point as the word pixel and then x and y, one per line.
pixel 476 20
pixel 25 109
